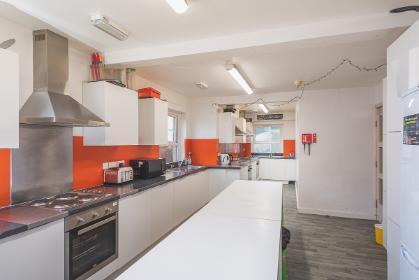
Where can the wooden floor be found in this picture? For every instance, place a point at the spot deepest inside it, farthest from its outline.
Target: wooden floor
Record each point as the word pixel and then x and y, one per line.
pixel 327 248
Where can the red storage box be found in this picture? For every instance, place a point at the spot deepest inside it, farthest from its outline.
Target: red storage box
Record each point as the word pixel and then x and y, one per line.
pixel 148 93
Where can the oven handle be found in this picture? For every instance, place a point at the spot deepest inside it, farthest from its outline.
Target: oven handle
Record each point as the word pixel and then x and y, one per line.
pixel 92 227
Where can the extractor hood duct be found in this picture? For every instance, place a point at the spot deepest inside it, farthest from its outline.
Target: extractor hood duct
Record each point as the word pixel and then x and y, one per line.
pixel 48 105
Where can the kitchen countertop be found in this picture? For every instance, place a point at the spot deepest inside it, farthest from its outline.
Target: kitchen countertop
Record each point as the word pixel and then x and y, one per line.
pixel 22 217
pixel 236 236
pixel 18 218
pixel 236 164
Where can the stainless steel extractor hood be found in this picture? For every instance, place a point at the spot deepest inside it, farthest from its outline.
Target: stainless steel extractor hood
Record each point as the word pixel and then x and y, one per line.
pixel 48 104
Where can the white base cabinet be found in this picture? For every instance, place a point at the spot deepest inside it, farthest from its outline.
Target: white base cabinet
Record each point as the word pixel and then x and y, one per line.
pixel 134 225
pixel 37 254
pixel 161 210
pixel 9 99
pixel 278 169
pixel 219 179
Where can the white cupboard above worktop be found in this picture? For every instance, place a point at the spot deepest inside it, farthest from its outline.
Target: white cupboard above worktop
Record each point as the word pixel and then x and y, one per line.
pixel 231 129
pixel 9 99
pixel 117 106
pixel 153 121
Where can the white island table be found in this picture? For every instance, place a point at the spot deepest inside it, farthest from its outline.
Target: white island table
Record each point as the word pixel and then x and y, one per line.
pixel 236 236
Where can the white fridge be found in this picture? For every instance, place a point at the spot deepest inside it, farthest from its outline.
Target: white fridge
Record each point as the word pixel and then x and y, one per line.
pixel 409 195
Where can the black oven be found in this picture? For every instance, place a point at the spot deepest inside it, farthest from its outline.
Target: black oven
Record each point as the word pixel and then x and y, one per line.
pixel 148 168
pixel 91 241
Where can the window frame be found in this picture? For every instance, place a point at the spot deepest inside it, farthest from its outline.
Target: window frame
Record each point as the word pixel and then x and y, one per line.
pixel 270 143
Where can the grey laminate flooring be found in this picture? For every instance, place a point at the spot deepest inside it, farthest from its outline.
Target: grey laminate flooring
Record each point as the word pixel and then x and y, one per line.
pixel 328 248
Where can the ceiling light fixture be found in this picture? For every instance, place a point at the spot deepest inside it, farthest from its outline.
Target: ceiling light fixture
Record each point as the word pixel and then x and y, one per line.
pixel 264 108
pixel 235 73
pixel 179 6
pixel 109 27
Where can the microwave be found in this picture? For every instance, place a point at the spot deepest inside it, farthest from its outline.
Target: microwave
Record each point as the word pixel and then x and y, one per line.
pixel 148 168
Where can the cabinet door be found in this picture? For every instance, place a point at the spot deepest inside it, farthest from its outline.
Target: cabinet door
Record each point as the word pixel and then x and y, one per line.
pixel 217 178
pixel 291 170
pixel 254 171
pixel 182 200
pixel 244 173
pixel 393 251
pixel 122 114
pixel 161 210
pixel 9 99
pixel 226 128
pixel 134 226
pixel 115 105
pixel 161 122
pixel 37 254
pixel 204 188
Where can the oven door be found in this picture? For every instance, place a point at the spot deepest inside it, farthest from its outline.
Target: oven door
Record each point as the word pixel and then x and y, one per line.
pixel 91 247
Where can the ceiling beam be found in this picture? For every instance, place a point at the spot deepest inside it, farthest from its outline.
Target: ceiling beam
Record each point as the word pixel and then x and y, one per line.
pixel 265 37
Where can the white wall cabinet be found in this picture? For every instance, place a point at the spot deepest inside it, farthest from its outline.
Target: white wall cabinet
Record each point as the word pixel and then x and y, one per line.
pixel 134 225
pixel 37 254
pixel 162 220
pixel 117 106
pixel 227 123
pixel 278 169
pixel 9 99
pixel 153 121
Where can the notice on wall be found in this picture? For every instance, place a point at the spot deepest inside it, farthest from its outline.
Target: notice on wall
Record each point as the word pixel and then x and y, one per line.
pixel 269 117
pixel 411 130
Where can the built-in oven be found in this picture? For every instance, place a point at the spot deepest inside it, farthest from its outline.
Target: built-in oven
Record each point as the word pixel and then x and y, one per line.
pixel 91 240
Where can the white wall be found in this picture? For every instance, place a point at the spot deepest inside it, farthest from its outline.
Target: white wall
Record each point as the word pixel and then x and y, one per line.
pixel 337 179
pixel 203 122
pixel 287 124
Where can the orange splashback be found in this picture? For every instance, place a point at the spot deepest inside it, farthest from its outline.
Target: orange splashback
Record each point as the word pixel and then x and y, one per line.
pixel 204 151
pixel 246 150
pixel 4 177
pixel 87 166
pixel 289 147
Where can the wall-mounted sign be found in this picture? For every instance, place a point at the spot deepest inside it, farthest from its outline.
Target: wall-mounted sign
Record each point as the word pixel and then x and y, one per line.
pixel 269 117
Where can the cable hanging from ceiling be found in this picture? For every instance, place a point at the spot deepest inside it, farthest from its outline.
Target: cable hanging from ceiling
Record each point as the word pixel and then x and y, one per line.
pixel 303 85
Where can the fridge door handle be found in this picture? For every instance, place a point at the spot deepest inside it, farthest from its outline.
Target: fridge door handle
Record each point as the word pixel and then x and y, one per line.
pixel 408 258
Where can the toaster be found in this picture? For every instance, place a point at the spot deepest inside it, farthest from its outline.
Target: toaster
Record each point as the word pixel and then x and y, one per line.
pixel 118 175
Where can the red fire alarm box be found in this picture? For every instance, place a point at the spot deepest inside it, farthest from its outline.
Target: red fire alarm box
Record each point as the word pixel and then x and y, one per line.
pixel 308 139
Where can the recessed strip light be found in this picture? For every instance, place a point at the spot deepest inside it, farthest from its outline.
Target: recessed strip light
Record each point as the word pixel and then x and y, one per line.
pixel 179 6
pixel 235 73
pixel 109 27
pixel 264 108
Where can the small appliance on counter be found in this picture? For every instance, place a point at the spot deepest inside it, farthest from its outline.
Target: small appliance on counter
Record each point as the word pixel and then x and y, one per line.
pixel 148 168
pixel 224 159
pixel 118 175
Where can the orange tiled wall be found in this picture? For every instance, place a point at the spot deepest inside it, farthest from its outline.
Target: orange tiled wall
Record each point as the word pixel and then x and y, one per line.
pixel 4 177
pixel 87 166
pixel 289 147
pixel 246 150
pixel 204 151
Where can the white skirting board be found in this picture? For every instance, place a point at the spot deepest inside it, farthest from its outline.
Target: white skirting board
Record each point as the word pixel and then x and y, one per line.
pixel 340 214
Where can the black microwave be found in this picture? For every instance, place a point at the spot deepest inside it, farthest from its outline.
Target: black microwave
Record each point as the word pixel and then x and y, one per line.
pixel 148 168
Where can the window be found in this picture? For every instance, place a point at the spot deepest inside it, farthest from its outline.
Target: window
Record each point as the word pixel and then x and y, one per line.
pixel 172 151
pixel 267 139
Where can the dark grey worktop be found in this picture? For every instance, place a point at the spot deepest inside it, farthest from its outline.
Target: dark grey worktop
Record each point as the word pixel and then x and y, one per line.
pixel 19 218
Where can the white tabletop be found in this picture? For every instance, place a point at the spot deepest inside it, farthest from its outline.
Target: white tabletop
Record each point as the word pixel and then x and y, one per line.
pixel 248 199
pixel 220 242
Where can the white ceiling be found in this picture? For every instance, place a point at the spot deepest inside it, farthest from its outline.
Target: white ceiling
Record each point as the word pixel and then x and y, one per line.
pixel 152 22
pixel 274 68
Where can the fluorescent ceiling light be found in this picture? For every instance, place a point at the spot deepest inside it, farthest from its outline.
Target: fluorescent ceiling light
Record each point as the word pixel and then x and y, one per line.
pixel 179 6
pixel 111 28
pixel 264 108
pixel 234 72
